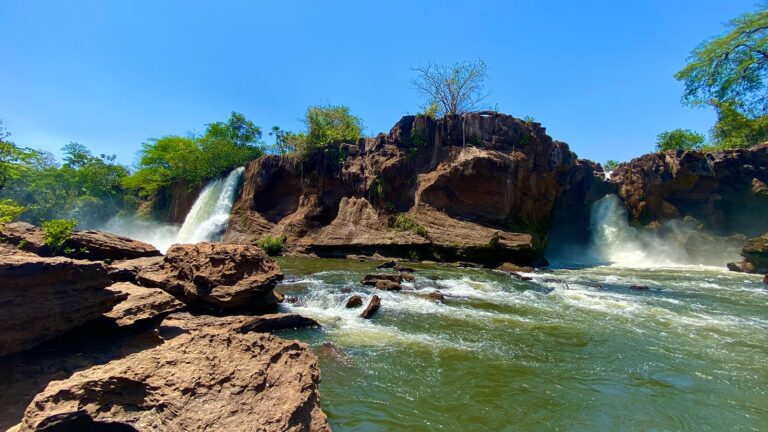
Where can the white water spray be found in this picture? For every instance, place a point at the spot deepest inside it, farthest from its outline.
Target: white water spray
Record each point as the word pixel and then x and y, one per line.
pixel 675 243
pixel 208 217
pixel 206 220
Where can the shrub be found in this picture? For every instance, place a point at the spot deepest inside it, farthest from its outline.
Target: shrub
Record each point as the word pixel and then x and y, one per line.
pixel 272 245
pixel 611 165
pixel 9 211
pixel 403 222
pixel 57 232
pixel 679 139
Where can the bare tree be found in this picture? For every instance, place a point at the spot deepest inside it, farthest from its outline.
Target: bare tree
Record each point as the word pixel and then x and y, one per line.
pixel 456 89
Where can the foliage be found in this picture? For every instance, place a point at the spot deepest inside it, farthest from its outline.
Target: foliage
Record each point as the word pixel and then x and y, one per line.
pixel 455 89
pixel 224 146
pixel 731 68
pixel 14 161
pixel 329 124
pixel 735 130
pixel 57 232
pixel 529 119
pixel 679 139
pixel 9 211
pixel 85 186
pixel 286 142
pixel 272 245
pixel 430 110
pixel 403 222
pixel 610 164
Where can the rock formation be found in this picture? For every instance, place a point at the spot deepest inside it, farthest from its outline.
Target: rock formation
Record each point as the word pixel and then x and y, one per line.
pixel 218 277
pixel 480 187
pixel 44 297
pixel 90 245
pixel 755 254
pixel 140 304
pixel 723 190
pixel 220 378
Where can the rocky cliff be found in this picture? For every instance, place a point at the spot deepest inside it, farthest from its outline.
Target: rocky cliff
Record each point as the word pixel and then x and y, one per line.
pixel 480 187
pixel 725 191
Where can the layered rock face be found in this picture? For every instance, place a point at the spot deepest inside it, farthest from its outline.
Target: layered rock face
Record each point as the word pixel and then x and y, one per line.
pixel 723 190
pixel 44 297
pixel 91 245
pixel 478 187
pixel 220 378
pixel 218 277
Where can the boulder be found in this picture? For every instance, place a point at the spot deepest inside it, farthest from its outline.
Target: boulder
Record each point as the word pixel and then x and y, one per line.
pixel 141 304
pixel 215 276
pixel 354 301
pixel 755 253
pixel 372 308
pixel 387 285
pixel 128 270
pixel 403 269
pixel 185 322
pixel 209 379
pixel 387 265
pixel 765 279
pixel 44 297
pixel 513 268
pixel 90 245
pixel 372 279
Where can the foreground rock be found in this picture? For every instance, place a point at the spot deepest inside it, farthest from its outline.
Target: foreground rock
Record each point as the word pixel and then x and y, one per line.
pixel 354 301
pixel 218 277
pixel 372 308
pixel 90 245
pixel 755 254
pixel 186 322
pixel 141 304
pixel 44 297
pixel 128 270
pixel 215 379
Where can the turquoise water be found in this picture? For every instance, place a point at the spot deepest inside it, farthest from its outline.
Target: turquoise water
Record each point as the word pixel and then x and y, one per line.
pixel 573 349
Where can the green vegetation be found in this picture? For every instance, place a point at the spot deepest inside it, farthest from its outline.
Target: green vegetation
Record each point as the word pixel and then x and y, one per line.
pixel 57 232
pixel 329 124
pixel 403 222
pixel 610 164
pixel 272 245
pixel 728 73
pixel 430 110
pixel 679 139
pixel 194 160
pixel 9 211
pixel 454 89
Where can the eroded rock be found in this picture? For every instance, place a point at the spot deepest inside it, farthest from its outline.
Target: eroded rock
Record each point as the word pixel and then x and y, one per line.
pixel 209 379
pixel 141 304
pixel 372 308
pixel 44 297
pixel 216 276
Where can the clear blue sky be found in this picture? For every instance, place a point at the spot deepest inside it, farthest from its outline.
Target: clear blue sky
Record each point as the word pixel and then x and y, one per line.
pixel 110 74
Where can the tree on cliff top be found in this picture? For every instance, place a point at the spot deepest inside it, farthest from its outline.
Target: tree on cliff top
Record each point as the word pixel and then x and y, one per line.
pixel 456 89
pixel 330 124
pixel 731 69
pixel 679 139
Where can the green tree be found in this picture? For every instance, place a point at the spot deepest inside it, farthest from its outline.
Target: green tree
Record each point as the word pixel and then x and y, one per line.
pixel 679 139
pixel 456 89
pixel 736 130
pixel 14 161
pixel 331 124
pixel 611 164
pixel 731 69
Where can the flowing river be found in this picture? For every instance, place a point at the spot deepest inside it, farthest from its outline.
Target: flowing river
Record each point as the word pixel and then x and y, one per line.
pixel 572 349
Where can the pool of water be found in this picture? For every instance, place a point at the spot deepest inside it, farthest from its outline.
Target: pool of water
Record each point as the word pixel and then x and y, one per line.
pixel 572 349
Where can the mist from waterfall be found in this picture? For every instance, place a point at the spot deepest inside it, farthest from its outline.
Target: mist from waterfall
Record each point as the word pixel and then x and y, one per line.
pixel 674 243
pixel 206 220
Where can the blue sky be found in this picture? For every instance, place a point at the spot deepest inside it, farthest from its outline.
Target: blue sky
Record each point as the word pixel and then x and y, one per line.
pixel 110 74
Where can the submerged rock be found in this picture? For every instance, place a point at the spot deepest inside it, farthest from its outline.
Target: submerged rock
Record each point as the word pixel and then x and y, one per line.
pixel 90 245
pixel 44 297
pixel 216 276
pixel 209 379
pixel 141 304
pixel 387 265
pixel 373 279
pixel 372 308
pixel 354 301
pixel 639 287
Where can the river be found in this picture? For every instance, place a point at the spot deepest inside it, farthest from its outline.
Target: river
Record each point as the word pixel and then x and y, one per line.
pixel 571 349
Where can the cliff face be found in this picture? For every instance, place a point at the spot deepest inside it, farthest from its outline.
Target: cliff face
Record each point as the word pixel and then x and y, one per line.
pixel 479 187
pixel 726 191
pixel 173 202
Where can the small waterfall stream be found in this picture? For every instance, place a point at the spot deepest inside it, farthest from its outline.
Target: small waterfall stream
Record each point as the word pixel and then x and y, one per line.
pixel 208 217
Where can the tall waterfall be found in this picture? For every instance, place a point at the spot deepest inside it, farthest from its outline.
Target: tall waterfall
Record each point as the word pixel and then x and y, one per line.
pixel 208 217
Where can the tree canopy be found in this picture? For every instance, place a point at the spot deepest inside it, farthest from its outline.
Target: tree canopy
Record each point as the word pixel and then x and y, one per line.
pixel 679 139
pixel 455 89
pixel 731 69
pixel 324 124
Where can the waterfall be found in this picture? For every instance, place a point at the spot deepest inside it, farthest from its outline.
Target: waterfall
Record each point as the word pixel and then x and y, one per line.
pixel 208 217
